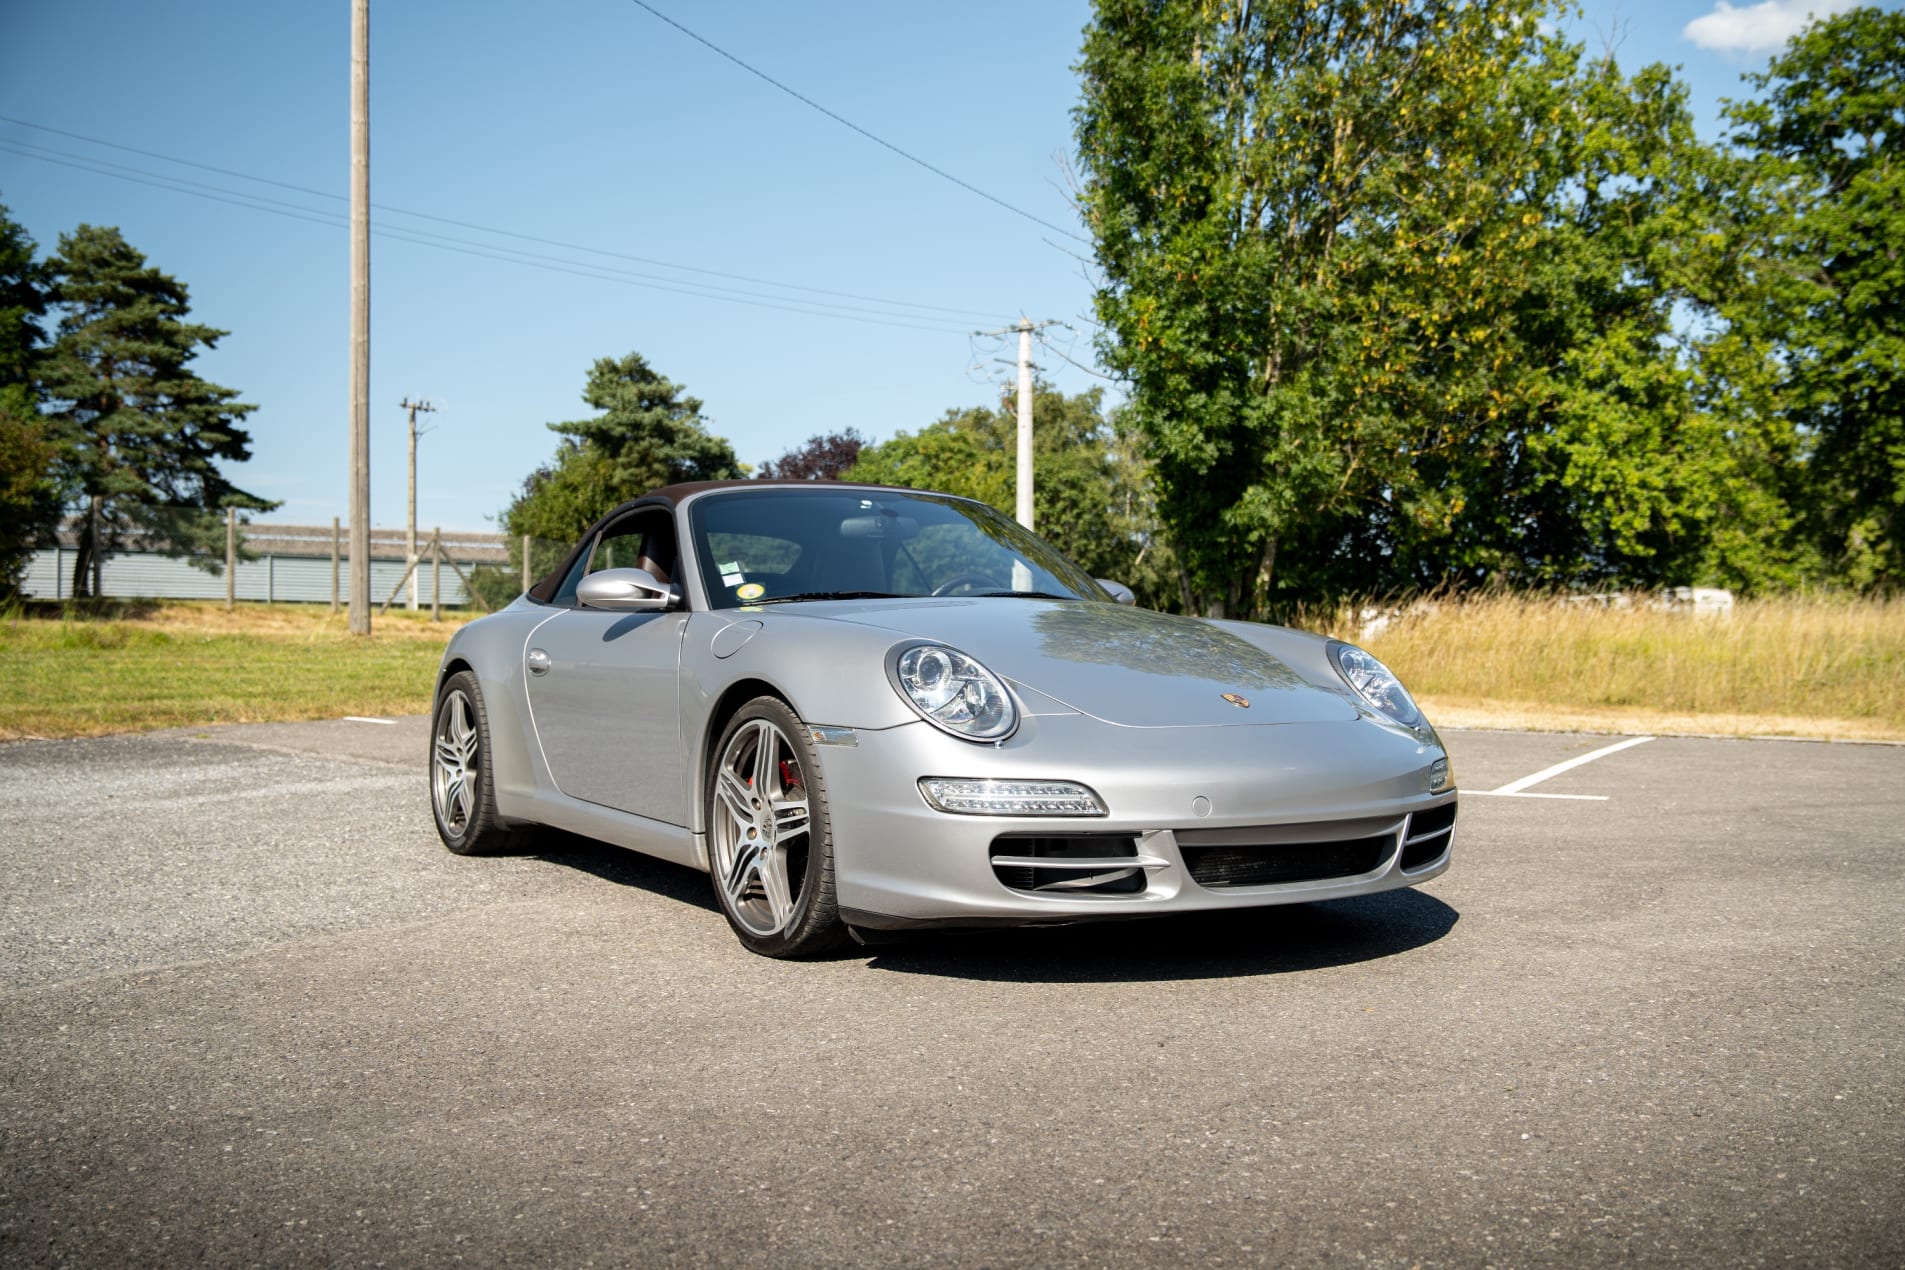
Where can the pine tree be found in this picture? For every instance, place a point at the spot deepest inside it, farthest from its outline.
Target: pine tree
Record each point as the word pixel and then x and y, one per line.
pixel 140 435
pixel 649 429
pixel 649 434
pixel 29 495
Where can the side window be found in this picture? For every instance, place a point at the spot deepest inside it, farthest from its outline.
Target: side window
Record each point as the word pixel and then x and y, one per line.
pixel 640 540
pixel 565 594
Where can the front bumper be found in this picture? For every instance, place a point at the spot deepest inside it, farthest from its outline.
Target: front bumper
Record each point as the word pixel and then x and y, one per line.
pixel 1207 802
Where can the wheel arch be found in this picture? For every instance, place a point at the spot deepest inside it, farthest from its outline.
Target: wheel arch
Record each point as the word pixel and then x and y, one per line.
pixel 725 707
pixel 450 667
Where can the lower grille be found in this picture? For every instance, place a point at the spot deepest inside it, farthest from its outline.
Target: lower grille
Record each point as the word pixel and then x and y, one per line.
pixel 1083 865
pixel 1426 839
pixel 1270 864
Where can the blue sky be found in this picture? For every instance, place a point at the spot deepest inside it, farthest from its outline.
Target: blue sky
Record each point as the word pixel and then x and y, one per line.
pixel 593 123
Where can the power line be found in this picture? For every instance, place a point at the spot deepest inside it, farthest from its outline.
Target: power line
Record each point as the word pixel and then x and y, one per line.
pixel 440 242
pixel 463 224
pixel 848 123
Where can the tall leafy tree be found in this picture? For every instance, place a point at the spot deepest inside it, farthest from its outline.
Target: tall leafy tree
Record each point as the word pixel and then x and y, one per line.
pixel 648 433
pixel 1812 354
pixel 1579 452
pixel 1272 185
pixel 1393 284
pixel 140 435
pixel 29 493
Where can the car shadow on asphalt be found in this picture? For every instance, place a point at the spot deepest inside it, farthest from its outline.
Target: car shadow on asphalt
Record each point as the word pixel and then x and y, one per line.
pixel 623 867
pixel 1279 939
pixel 1282 939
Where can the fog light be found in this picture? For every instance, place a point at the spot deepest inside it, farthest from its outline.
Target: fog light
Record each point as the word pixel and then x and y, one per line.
pixel 974 797
pixel 1439 778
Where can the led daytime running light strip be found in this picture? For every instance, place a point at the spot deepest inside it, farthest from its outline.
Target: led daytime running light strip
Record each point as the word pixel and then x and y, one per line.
pixel 968 796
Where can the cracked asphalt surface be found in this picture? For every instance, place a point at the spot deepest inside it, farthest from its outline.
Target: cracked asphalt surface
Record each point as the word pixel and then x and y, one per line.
pixel 253 1013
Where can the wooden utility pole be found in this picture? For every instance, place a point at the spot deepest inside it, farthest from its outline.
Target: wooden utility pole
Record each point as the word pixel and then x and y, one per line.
pixel 231 557
pixel 410 532
pixel 360 317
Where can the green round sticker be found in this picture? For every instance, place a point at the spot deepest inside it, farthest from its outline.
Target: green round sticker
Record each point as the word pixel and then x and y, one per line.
pixel 752 591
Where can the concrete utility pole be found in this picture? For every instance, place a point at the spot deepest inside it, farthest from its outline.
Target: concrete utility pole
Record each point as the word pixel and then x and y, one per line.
pixel 410 531
pixel 1024 479
pixel 360 317
pixel 1025 328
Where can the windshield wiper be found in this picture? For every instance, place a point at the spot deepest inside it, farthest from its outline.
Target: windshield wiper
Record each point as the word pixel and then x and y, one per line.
pixel 1018 595
pixel 830 595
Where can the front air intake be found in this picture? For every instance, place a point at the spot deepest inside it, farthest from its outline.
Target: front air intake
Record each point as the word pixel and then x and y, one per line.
pixel 1427 837
pixel 1218 867
pixel 1085 864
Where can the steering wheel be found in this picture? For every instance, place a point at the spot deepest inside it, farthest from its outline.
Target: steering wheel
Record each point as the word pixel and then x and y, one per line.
pixel 964 579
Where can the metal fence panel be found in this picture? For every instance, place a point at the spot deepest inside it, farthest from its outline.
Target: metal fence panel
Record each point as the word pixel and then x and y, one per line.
pixel 148 575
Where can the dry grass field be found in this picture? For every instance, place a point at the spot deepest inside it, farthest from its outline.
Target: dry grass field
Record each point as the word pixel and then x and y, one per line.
pixel 1819 666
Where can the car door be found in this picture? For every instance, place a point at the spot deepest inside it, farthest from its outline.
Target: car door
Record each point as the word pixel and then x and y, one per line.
pixel 603 686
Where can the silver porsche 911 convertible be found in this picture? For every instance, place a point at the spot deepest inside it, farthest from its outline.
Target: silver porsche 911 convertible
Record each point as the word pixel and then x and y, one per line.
pixel 868 709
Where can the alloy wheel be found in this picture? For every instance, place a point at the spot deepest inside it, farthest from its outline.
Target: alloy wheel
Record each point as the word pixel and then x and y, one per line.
pixel 454 762
pixel 760 832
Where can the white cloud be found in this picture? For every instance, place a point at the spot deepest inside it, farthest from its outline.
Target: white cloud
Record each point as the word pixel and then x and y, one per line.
pixel 1759 28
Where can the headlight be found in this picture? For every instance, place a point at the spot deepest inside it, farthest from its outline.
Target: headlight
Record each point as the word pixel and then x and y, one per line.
pixel 953 692
pixel 1375 684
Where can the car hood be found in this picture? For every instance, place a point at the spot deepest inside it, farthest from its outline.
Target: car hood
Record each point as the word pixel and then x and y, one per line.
pixel 1125 666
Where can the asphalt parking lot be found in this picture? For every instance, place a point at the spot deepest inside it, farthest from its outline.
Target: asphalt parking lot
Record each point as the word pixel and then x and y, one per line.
pixel 253 1013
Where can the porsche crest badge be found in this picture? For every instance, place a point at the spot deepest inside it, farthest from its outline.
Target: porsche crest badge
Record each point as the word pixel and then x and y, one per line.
pixel 1242 703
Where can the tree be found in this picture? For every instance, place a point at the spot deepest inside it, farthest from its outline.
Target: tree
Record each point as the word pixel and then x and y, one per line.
pixel 29 497
pixel 1392 284
pixel 651 434
pixel 820 458
pixel 1580 453
pixel 1812 353
pixel 648 435
pixel 1089 499
pixel 139 434
pixel 29 494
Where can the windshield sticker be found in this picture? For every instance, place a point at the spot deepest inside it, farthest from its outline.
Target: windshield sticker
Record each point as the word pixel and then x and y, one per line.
pixel 726 569
pixel 752 591
pixel 730 579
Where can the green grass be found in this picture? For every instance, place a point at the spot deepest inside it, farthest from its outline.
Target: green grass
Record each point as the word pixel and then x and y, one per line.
pixel 179 665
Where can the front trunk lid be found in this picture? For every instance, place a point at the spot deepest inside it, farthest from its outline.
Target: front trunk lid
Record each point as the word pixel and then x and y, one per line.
pixel 1125 666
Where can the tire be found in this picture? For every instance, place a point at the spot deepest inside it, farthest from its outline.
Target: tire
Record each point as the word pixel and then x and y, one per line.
pixel 462 796
pixel 770 841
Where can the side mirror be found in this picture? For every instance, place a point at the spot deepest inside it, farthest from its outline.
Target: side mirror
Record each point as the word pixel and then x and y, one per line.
pixel 626 591
pixel 1119 591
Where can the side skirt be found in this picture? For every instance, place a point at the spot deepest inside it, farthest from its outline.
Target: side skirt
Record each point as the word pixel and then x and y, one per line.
pixel 674 843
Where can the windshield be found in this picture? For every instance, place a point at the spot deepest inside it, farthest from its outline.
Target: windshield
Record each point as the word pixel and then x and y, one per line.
pixel 780 544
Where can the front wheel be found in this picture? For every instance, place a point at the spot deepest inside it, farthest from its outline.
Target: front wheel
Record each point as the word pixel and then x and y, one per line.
pixel 770 844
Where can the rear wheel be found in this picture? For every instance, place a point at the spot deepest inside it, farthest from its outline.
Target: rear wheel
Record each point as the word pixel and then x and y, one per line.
pixel 461 773
pixel 770 844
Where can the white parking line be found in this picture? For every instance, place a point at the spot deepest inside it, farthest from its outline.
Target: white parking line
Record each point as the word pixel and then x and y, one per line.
pixel 358 718
pixel 1514 789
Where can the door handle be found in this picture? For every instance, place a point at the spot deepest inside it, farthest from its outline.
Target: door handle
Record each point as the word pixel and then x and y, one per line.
pixel 539 662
